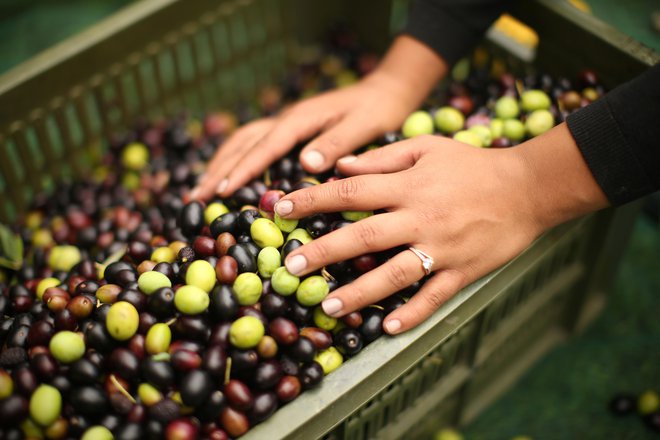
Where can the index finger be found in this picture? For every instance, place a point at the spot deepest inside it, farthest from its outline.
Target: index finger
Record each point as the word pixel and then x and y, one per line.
pixel 359 193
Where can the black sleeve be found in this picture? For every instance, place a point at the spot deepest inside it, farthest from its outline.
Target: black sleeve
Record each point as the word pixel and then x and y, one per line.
pixel 619 137
pixel 452 27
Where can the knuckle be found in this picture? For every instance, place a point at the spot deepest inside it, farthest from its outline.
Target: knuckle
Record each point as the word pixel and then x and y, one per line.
pixel 435 299
pixel 347 190
pixel 366 234
pixel 318 251
pixel 354 295
pixel 397 276
pixel 330 142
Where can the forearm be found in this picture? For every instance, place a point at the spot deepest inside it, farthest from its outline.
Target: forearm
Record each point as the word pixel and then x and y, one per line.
pixel 409 69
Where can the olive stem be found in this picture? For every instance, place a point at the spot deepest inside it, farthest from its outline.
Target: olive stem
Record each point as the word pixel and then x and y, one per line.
pixel 121 389
pixel 228 370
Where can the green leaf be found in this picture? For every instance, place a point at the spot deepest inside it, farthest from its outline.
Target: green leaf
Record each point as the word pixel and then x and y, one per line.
pixel 11 248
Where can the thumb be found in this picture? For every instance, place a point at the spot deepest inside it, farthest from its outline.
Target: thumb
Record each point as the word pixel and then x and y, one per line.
pixel 343 138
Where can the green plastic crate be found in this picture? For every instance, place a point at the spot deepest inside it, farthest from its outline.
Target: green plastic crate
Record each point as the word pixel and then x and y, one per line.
pixel 157 57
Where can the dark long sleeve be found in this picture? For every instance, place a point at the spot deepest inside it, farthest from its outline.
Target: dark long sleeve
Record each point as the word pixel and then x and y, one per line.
pixel 452 27
pixel 619 137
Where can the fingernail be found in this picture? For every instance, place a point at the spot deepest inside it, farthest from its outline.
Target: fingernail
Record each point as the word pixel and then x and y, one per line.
pixel 347 159
pixel 331 306
pixel 222 186
pixel 392 326
pixel 313 159
pixel 194 193
pixel 283 207
pixel 296 264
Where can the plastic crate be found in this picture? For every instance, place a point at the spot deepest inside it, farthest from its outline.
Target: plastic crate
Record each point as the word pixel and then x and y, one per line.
pixel 160 56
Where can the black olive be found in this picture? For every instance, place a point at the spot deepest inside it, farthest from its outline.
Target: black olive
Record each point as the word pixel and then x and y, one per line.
pixel 301 315
pixel 246 218
pixel 124 363
pixel 13 409
pixel 84 372
pixel 110 273
pixel 227 222
pixel 161 303
pixel 372 323
pixel 264 406
pixel 274 305
pixel 224 304
pixel 18 336
pixel 246 261
pixel 111 421
pixel 209 410
pixel 129 431
pixel 289 246
pixel 160 374
pixel 348 341
pixel 623 404
pixel 302 350
pixel 194 328
pixel 317 225
pixel 243 360
pixel 135 297
pixel 164 410
pixel 215 361
pixel 310 374
pixel 97 336
pixel 195 388
pixel 191 219
pixel 245 196
pixel 267 374
pixel 88 401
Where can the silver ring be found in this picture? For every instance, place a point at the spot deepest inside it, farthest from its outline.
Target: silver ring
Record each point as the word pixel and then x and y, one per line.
pixel 427 260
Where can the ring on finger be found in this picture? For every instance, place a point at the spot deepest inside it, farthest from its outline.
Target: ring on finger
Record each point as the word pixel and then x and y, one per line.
pixel 427 260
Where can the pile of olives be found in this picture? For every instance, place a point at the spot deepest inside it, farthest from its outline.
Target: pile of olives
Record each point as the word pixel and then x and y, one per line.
pixel 135 314
pixel 646 405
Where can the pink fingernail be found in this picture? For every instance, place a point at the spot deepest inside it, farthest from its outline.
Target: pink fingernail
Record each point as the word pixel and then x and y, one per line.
pixel 296 264
pixel 393 326
pixel 283 207
pixel 331 306
pixel 313 159
pixel 222 186
pixel 347 159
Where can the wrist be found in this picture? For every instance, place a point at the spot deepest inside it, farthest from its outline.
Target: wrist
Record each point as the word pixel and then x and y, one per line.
pixel 557 180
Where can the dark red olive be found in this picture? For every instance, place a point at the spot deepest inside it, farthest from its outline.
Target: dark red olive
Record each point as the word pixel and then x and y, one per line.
pixel 223 242
pixel 138 251
pixel 81 306
pixel 181 429
pixel 238 395
pixel 185 360
pixel 40 333
pixel 25 381
pixel 234 422
pixel 321 338
pixel 289 366
pixel 204 246
pixel 353 319
pixel 194 328
pixel 226 270
pixel 137 414
pixel 283 330
pixel 45 366
pixel 288 388
pixel 66 320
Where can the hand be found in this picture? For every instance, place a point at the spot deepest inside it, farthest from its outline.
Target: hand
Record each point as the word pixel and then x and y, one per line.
pixel 342 121
pixel 470 209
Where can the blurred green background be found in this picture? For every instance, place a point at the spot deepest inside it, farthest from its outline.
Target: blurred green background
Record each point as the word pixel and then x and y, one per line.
pixel 565 395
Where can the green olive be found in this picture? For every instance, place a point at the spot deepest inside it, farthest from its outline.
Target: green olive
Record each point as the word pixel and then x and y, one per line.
pixel 191 300
pixel 268 260
pixel 200 273
pixel 158 338
pixel 449 120
pixel 213 211
pixel 299 234
pixel 312 290
pixel 507 107
pixel 538 122
pixel 285 225
pixel 246 332
pixel 648 402
pixel 324 321
pixel 354 216
pixel 469 137
pixel 97 433
pixel 330 359
pixel 163 255
pixel 418 123
pixel 135 156
pixel 283 282
pixel 149 394
pixel 122 320
pixel 513 129
pixel 64 257
pixel 531 100
pixel 484 133
pixel 66 346
pixel 45 405
pixel 6 384
pixel 247 288
pixel 266 233
pixel 152 280
pixel 45 284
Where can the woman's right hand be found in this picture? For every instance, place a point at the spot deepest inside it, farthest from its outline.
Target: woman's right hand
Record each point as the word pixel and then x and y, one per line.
pixel 338 122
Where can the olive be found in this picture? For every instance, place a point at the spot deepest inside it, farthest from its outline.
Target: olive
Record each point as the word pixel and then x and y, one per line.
pixel 126 278
pixel 44 366
pixel 223 242
pixel 148 394
pixel 209 410
pixel 193 328
pixel 191 300
pixel 151 281
pixel 122 320
pixel 134 297
pixel 110 274
pixel 158 339
pixel 223 304
pixel 316 225
pixel 234 422
pixel 283 330
pixel 17 337
pixel 310 374
pixel 111 422
pixel 312 290
pixel 65 320
pixel 288 388
pixel 321 338
pixel 203 247
pixel 267 374
pixel 267 347
pixel 220 334
pixel 243 360
pixel 98 337
pixel 283 282
pixel 215 361
pixel 246 218
pixel 265 233
pixel 274 305
pixel 99 433
pixel 247 287
pixel 290 245
pixel 108 293
pixel 195 388
pixel 285 225
pixel 201 273
pixel 12 409
pixel 372 323
pixel 129 431
pixel 158 373
pixel 245 196
pixel 191 219
pixel 238 395
pixel 166 269
pixel 124 363
pixel 299 234
pixel 302 350
pixel 265 404
pixel 322 320
pixel 329 359
pixel 40 333
pixel 67 347
pixel 299 314
pixel 247 262
pixel 185 360
pixel 181 429
pixel 267 261
pixel 88 401
pixel 161 303
pixel 246 332
pixel 225 223
pixel 349 341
